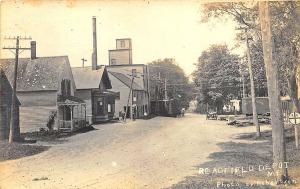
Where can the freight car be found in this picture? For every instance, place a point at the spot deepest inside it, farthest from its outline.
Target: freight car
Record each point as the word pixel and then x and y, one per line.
pixel 168 108
pixel 262 106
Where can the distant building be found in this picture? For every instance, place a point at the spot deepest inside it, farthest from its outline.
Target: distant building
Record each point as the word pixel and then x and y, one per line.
pixel 92 86
pixel 122 73
pixel 138 100
pixel 5 107
pixel 120 69
pixel 122 54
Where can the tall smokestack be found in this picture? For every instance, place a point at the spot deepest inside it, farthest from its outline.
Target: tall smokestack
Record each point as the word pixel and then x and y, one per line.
pixel 94 55
pixel 33 49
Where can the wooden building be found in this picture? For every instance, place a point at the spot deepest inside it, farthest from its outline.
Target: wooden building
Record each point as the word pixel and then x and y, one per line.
pixel 121 80
pixel 92 86
pixel 5 107
pixel 120 68
pixel 122 54
pixel 38 87
pixel 71 111
pixel 138 100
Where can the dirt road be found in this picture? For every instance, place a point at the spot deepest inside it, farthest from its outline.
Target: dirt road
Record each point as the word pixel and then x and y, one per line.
pixel 153 153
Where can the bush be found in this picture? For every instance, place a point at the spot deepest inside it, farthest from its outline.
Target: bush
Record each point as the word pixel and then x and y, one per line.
pixel 51 120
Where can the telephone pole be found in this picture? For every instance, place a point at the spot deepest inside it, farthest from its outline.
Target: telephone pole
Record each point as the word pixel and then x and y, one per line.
pixel 133 75
pixel 83 60
pixel 253 96
pixel 14 131
pixel 278 137
pixel 165 91
pixel 244 89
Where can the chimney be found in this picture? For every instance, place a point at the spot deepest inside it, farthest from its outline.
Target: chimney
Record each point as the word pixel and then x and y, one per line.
pixel 94 55
pixel 33 49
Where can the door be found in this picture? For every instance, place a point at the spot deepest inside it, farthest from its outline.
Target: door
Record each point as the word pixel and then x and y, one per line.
pixel 100 106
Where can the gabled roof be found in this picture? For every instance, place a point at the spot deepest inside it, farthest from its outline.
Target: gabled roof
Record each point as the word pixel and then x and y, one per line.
pixel 126 80
pixel 86 78
pixel 5 90
pixel 42 73
pixel 69 99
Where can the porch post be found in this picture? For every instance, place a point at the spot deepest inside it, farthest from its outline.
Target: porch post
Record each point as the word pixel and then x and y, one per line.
pixel 78 117
pixel 84 115
pixel 57 116
pixel 64 116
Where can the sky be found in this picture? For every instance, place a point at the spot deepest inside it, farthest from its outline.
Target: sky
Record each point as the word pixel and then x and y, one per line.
pixel 158 29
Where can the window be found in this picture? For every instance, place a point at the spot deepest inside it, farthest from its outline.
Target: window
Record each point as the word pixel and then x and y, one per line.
pixel 113 61
pixel 100 108
pixel 122 44
pixel 109 108
pixel 68 113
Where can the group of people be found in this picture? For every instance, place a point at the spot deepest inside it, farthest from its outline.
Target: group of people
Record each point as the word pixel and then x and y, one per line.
pixel 182 112
pixel 121 115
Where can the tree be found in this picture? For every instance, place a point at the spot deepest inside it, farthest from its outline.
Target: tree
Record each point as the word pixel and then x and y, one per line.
pixel 285 31
pixel 177 83
pixel 253 96
pixel 286 37
pixel 278 139
pixel 217 76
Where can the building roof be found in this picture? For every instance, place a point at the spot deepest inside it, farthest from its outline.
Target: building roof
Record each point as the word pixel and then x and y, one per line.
pixel 5 90
pixel 69 100
pixel 126 65
pixel 40 74
pixel 126 80
pixel 86 78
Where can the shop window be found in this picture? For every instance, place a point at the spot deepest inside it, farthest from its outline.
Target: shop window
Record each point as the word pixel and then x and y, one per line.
pixel 109 108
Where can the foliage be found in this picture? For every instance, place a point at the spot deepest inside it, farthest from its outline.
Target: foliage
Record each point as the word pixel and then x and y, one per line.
pixel 178 86
pixel 51 120
pixel 217 76
pixel 285 30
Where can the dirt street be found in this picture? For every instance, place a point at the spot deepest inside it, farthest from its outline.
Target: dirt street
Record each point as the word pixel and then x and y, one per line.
pixel 153 153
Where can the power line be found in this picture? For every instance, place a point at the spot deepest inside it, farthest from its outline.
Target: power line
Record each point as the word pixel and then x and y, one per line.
pixel 12 135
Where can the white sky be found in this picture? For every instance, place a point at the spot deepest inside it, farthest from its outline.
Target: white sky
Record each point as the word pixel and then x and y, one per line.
pixel 158 29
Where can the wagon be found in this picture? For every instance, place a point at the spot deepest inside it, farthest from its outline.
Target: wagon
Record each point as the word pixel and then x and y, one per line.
pixel 212 115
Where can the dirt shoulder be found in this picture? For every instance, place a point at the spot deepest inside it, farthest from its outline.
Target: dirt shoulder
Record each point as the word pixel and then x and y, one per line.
pixel 245 162
pixel 30 143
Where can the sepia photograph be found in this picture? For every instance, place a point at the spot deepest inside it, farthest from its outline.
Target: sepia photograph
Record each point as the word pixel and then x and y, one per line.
pixel 149 94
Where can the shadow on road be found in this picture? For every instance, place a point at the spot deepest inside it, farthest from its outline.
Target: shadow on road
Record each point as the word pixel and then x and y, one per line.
pixel 18 150
pixel 250 156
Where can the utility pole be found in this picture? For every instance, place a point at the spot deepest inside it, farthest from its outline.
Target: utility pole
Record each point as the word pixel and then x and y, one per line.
pixel 165 91
pixel 133 75
pixel 278 137
pixel 83 60
pixel 14 132
pixel 244 90
pixel 253 96
pixel 158 96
